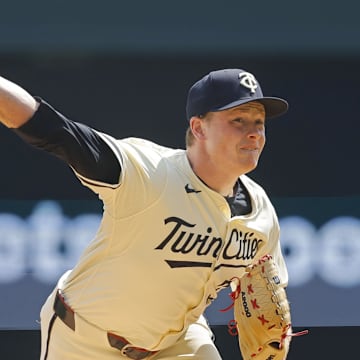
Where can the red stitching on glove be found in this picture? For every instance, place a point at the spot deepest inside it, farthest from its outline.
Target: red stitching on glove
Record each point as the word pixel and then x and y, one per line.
pixel 232 324
pixel 232 328
pixel 254 304
pixel 233 295
pixel 285 334
pixel 262 319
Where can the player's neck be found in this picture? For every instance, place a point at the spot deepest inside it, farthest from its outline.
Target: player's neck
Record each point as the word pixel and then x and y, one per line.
pixel 212 176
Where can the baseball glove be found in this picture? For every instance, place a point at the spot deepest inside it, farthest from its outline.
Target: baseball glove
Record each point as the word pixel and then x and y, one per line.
pixel 262 313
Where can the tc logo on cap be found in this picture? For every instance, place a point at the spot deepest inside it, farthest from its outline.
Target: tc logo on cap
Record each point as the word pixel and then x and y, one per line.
pixel 248 80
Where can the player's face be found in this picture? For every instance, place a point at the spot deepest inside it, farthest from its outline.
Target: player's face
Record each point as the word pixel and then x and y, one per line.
pixel 235 137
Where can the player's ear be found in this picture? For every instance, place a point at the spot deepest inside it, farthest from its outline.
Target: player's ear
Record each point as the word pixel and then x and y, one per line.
pixel 197 127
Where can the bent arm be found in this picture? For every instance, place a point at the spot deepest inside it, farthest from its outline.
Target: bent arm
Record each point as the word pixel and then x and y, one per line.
pixel 75 143
pixel 40 125
pixel 17 106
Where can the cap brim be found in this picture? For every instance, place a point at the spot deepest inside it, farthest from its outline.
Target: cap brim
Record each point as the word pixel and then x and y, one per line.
pixel 274 106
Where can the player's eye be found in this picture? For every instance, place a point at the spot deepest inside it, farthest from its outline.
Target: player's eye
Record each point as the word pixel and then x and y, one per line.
pixel 260 122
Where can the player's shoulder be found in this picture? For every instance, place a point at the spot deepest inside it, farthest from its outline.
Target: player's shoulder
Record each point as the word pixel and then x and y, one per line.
pixel 252 185
pixel 147 150
pixel 257 193
pixel 145 144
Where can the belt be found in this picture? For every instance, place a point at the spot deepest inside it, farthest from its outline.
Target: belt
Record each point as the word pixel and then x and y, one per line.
pixel 67 315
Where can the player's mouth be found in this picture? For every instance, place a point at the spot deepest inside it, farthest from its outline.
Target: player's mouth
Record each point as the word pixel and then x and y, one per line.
pixel 250 149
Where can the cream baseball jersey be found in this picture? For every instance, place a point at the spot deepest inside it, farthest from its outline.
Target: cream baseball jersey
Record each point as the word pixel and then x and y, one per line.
pixel 164 232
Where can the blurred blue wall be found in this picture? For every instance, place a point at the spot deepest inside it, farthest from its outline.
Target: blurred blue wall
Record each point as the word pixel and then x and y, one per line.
pixel 191 27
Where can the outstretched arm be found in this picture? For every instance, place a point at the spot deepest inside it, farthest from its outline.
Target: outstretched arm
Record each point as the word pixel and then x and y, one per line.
pixel 38 124
pixel 17 106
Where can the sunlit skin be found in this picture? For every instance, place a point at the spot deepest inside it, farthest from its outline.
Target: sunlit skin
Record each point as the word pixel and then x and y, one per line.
pixel 228 144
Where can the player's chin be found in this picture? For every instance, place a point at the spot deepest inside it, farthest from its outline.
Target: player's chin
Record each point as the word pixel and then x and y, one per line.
pixel 248 167
pixel 248 163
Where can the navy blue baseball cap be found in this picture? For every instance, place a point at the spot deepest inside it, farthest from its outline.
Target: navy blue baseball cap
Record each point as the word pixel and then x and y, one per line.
pixel 227 88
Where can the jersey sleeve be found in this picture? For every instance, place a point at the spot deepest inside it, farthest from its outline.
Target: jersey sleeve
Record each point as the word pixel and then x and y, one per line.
pixel 75 143
pixel 273 244
pixel 276 253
